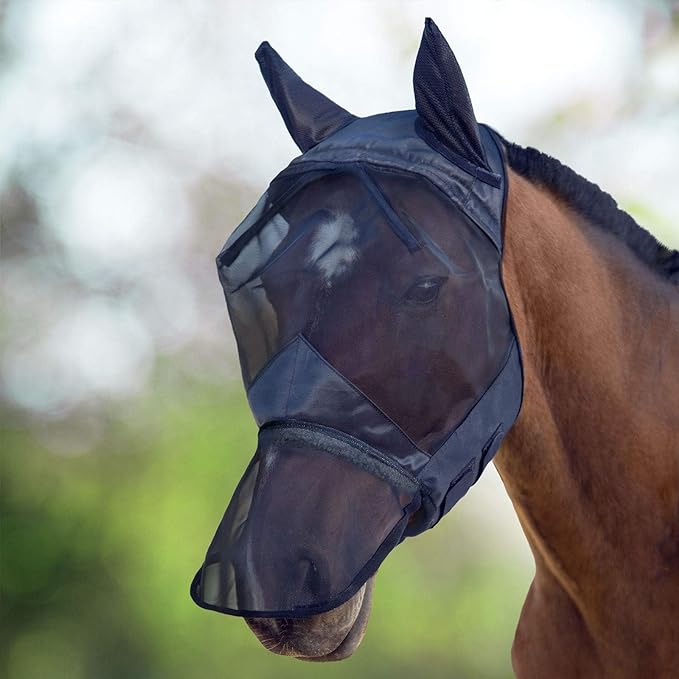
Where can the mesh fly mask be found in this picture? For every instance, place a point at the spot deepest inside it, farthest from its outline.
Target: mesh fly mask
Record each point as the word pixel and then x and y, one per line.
pixel 375 340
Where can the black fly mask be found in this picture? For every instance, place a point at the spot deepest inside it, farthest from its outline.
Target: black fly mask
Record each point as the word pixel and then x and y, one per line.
pixel 374 336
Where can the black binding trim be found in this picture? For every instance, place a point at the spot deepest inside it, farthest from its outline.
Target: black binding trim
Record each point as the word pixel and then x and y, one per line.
pixel 429 138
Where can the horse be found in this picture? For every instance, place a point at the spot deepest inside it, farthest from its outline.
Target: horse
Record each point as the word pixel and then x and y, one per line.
pixel 591 463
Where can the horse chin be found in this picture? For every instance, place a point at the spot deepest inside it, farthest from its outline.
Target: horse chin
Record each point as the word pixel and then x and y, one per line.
pixel 325 637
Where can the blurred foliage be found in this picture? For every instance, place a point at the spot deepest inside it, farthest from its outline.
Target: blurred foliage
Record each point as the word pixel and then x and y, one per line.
pixel 99 549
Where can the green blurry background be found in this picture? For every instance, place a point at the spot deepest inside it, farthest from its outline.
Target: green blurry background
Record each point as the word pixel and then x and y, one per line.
pixel 135 136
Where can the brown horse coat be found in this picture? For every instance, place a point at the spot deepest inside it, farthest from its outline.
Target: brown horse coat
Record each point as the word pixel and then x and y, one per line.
pixel 592 463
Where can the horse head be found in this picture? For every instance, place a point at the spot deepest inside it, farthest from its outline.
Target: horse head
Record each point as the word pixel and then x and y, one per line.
pixel 376 348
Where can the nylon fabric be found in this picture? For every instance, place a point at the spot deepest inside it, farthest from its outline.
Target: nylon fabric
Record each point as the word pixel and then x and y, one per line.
pixel 375 341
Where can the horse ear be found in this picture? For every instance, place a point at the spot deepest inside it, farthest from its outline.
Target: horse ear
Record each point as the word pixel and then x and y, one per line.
pixel 309 115
pixel 442 100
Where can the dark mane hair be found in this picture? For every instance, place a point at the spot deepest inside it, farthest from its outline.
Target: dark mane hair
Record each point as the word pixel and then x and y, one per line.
pixel 595 205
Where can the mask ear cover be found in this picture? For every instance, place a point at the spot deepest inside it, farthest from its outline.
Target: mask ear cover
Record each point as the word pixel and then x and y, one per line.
pixel 446 116
pixel 309 115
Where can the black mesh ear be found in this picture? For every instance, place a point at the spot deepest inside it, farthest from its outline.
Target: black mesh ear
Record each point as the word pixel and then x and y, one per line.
pixel 309 115
pixel 442 99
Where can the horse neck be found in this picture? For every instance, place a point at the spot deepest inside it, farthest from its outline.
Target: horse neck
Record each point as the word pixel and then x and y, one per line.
pixel 592 463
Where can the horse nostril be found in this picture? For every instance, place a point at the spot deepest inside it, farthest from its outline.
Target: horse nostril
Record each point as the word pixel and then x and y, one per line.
pixel 311 578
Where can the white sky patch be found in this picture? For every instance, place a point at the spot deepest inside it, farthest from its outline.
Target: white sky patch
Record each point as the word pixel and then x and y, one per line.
pixel 333 247
pixel 118 208
pixel 98 348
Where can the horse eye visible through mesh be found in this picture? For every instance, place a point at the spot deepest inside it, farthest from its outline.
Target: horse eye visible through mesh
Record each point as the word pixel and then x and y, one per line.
pixel 424 290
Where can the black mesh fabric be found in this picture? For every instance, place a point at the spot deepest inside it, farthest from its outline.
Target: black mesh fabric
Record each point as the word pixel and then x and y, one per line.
pixel 370 319
pixel 399 293
pixel 442 98
pixel 276 554
pixel 309 115
pixel 374 336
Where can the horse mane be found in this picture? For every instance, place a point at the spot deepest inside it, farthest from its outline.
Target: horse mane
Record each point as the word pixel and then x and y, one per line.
pixel 593 203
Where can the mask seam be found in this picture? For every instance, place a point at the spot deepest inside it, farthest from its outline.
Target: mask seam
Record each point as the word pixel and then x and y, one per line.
pixel 361 393
pixel 469 196
pixel 505 193
pixel 493 382
pixel 410 239
pixel 292 379
pixel 498 433
pixel 271 361
pixel 348 439
pixel 428 136
pixel 300 336
pixel 435 177
pixel 467 469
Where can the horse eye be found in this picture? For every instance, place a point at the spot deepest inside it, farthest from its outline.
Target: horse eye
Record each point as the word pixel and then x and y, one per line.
pixel 424 291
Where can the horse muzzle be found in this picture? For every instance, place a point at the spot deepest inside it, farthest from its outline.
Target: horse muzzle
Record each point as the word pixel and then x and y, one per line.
pixel 313 517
